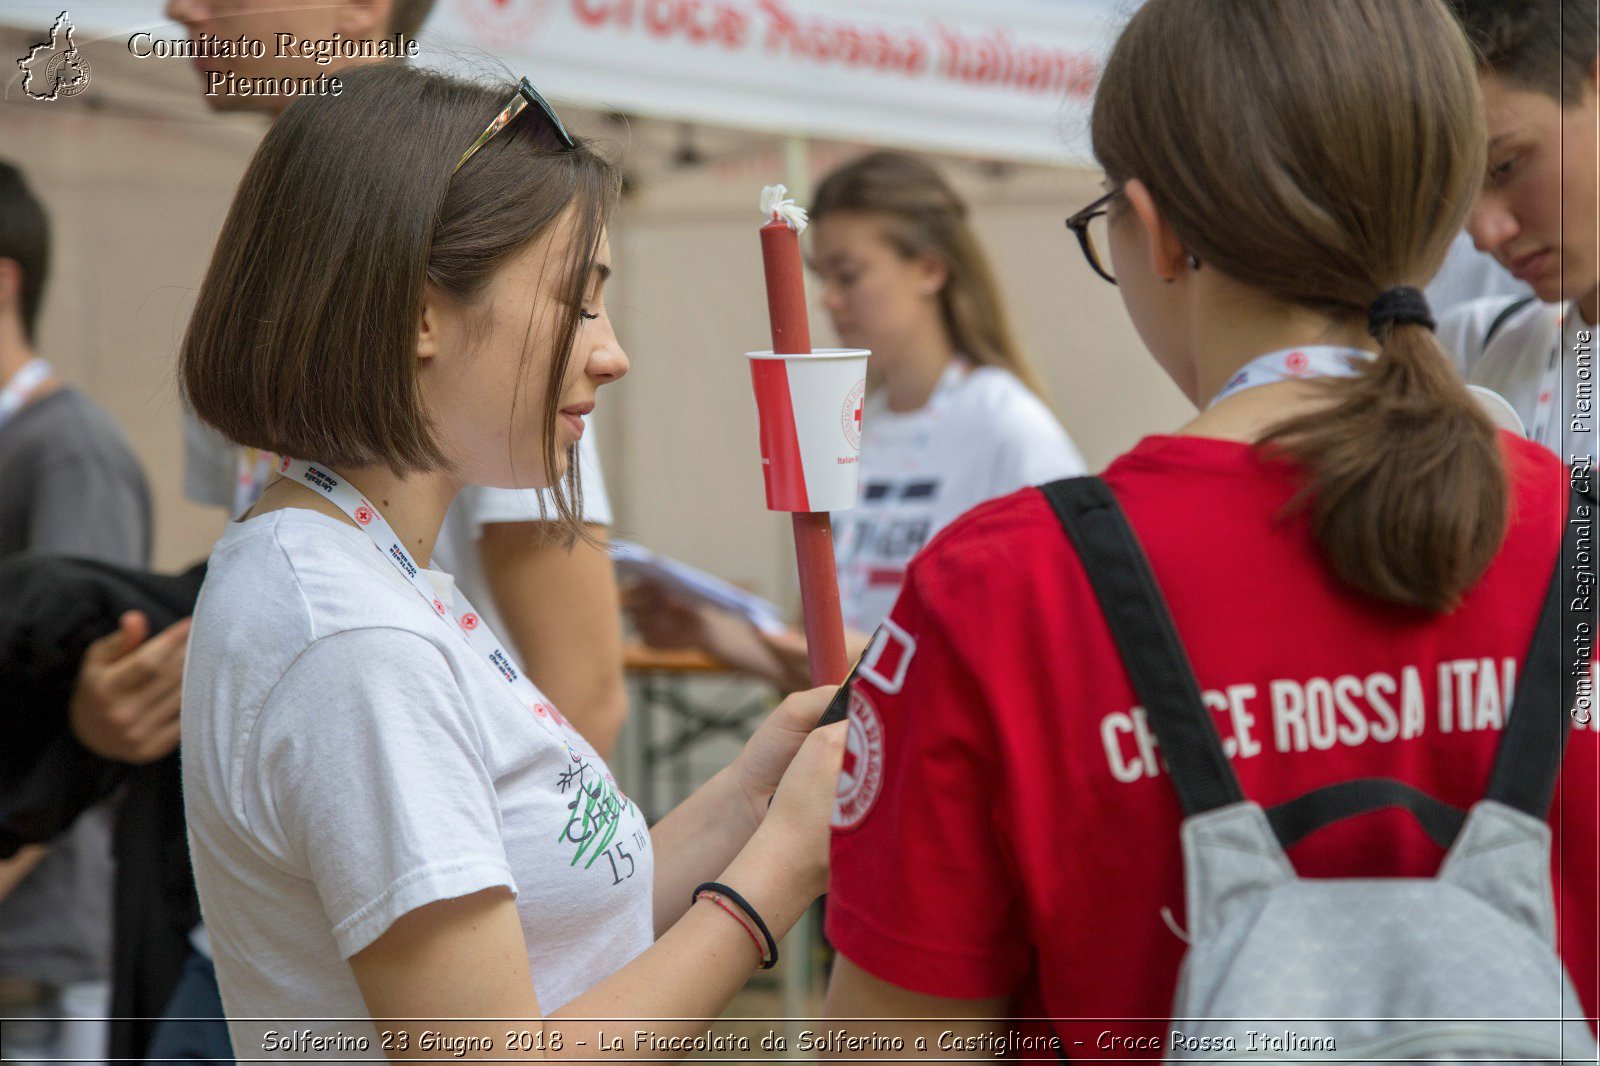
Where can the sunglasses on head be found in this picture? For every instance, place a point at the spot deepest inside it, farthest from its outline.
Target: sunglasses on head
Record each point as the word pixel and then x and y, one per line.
pixel 551 134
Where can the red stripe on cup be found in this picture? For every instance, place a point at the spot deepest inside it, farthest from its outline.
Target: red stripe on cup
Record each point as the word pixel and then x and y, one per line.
pixel 780 444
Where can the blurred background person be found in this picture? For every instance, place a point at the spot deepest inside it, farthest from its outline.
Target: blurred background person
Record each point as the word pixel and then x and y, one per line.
pixel 1536 215
pixel 69 484
pixel 954 413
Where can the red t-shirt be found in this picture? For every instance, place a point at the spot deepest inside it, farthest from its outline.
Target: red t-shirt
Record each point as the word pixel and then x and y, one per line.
pixel 1004 826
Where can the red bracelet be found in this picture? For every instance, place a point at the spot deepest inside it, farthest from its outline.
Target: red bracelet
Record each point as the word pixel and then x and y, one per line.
pixel 761 952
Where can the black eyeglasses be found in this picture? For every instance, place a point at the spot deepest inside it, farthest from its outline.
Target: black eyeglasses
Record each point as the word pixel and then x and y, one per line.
pixel 554 134
pixel 1092 227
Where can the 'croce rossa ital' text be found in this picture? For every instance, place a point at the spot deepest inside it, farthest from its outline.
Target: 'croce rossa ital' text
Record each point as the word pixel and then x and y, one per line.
pixel 1320 713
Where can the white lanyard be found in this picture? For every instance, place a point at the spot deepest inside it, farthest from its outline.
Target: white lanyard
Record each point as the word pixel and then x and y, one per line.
pixel 252 468
pixel 20 388
pixel 459 613
pixel 1294 364
pixel 1550 387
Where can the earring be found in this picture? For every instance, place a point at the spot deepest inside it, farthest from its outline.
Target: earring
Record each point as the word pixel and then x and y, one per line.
pixel 1194 261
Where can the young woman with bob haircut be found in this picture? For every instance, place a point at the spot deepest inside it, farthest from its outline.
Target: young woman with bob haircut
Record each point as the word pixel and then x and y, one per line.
pixel 387 820
pixel 1354 558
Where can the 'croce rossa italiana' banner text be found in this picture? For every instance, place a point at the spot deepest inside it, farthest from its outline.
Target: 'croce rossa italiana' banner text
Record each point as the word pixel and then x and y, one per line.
pixel 1010 79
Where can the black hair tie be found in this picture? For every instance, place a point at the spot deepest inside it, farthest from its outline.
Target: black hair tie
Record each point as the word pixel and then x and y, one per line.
pixel 1401 306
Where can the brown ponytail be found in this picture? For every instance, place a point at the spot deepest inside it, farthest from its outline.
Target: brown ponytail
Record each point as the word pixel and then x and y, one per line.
pixel 922 215
pixel 1323 152
pixel 1407 492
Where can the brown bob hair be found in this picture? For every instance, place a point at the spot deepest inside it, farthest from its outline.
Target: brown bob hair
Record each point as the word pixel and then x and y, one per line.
pixel 920 214
pixel 303 339
pixel 1322 152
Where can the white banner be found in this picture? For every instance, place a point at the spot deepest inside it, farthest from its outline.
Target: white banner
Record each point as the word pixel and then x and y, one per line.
pixel 1005 79
pixel 999 79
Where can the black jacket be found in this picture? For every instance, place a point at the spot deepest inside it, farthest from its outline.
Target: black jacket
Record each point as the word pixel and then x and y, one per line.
pixel 51 609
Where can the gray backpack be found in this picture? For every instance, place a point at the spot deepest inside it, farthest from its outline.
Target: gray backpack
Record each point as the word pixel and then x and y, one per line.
pixel 1455 968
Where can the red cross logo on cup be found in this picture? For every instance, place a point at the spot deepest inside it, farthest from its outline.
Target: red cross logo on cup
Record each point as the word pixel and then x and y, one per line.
pixel 364 514
pixel 469 621
pixel 851 415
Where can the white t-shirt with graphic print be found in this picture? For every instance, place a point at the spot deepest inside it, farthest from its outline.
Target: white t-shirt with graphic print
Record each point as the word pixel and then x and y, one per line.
pixel 348 758
pixel 982 434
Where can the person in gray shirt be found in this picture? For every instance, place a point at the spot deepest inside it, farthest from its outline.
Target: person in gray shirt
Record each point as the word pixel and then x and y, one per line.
pixel 69 485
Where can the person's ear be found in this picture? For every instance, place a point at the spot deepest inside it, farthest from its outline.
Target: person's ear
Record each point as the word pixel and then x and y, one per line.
pixel 932 274
pixel 428 325
pixel 363 20
pixel 1160 240
pixel 10 282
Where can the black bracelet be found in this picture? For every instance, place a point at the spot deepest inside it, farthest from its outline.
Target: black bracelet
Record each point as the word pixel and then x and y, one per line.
pixel 733 897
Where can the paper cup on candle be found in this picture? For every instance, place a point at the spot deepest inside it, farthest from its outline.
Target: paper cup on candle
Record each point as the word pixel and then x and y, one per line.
pixel 809 410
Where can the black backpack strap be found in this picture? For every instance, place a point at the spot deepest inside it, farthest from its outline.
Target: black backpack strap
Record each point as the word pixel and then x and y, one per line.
pixel 1535 738
pixel 1294 820
pixel 1499 320
pixel 1147 642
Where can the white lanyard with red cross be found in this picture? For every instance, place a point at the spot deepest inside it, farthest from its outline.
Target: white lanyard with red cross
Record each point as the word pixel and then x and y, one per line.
pixel 459 613
pixel 1326 361
pixel 1295 364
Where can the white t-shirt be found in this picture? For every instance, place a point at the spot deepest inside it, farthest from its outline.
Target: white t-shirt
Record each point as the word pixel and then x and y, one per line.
pixel 211 475
pixel 1538 347
pixel 456 550
pixel 348 757
pixel 982 434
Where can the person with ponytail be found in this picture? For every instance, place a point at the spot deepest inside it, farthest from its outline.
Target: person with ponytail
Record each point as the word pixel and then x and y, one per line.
pixel 954 412
pixel 1353 557
pixel 387 819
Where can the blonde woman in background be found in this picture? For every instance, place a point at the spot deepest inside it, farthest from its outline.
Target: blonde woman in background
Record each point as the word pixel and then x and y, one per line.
pixel 953 414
